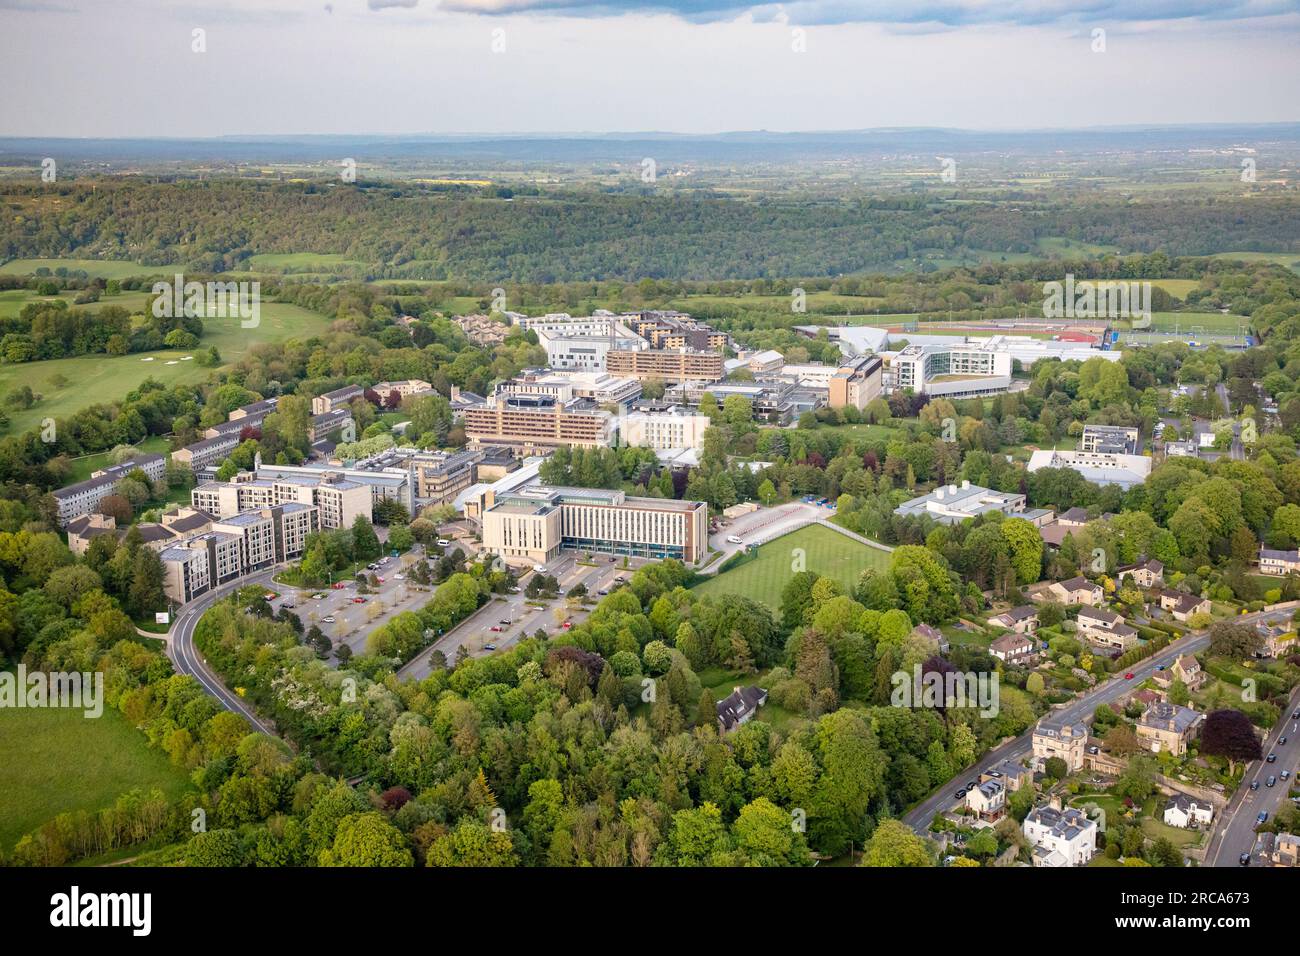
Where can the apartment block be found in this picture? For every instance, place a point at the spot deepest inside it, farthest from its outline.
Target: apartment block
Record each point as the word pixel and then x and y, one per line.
pixel 856 383
pixel 83 497
pixel 207 452
pixel 601 387
pixel 1111 439
pixel 949 371
pixel 405 389
pixel 677 427
pixel 335 400
pixel 337 500
pixel 666 365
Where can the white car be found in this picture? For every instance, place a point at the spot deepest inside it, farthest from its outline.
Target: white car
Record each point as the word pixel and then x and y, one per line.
pixel 733 539
pixel 329 619
pixel 399 577
pixel 539 569
pixel 443 542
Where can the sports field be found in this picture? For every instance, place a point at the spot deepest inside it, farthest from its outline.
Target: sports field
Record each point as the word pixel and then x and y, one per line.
pixel 826 552
pixel 55 760
pixel 106 268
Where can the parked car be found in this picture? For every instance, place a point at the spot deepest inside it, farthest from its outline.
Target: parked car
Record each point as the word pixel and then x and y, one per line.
pixel 399 576
pixel 443 542
pixel 1285 775
pixel 506 623
pixel 733 539
pixel 539 568
pixel 1263 817
pixel 566 625
pixel 960 793
pixel 358 600
pixel 496 629
pixel 318 597
pixel 270 595
pixel 338 585
pixel 1128 676
pixel 489 647
pixel 328 619
pixel 1281 741
pixel 372 567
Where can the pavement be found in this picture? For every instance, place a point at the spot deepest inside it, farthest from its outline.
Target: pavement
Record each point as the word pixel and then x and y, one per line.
pixel 515 617
pixel 1234 832
pixel 1080 709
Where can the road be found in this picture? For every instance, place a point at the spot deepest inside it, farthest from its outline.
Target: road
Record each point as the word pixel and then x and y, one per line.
pixel 1235 832
pixel 1080 709
pixel 515 616
pixel 187 659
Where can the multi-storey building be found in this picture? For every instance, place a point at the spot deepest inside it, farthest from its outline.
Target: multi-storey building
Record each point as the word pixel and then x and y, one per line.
pixel 949 371
pixel 775 402
pixel 530 423
pixel 1277 562
pixel 328 423
pixel 206 452
pixel 675 330
pixel 338 500
pixel 1060 837
pixel 407 388
pixel 579 348
pixel 1066 739
pixel 534 523
pixel 856 383
pixel 333 401
pixel 675 428
pixel 666 365
pixel 83 497
pixel 600 387
pixel 175 525
pixel 1111 439
pixel 440 478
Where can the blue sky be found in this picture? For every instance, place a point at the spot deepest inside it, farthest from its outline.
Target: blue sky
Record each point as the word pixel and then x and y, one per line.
pixel 128 68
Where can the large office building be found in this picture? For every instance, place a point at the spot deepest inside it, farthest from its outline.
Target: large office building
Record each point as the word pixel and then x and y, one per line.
pixel 532 524
pixel 529 423
pixel 949 371
pixel 856 383
pixel 774 401
pixel 578 347
pixel 666 365
pixel 950 504
pixel 674 428
pixel 601 387
pixel 675 330
pixel 85 496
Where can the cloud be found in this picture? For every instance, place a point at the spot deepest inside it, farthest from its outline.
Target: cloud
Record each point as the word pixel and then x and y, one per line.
pixel 948 13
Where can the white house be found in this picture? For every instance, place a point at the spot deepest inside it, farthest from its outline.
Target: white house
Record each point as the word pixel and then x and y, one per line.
pixel 1184 811
pixel 1060 837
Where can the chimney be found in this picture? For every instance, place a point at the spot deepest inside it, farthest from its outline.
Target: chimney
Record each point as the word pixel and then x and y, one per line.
pixel 938 493
pixel 1055 802
pixel 455 392
pixel 964 485
pixel 952 489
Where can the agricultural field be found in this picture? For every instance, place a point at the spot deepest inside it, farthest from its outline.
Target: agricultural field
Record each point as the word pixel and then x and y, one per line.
pixel 54 760
pixel 66 385
pixel 299 262
pixel 13 301
pixel 826 552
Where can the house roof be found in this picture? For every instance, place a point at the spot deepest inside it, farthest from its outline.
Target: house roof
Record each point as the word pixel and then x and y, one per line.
pixel 1022 613
pixel 1101 614
pixel 739 704
pixel 1075 514
pixel 1079 583
pixel 1010 642
pixel 1167 716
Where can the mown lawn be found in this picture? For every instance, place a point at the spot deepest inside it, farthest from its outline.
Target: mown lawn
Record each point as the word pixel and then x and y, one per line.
pixel 56 760
pixel 826 552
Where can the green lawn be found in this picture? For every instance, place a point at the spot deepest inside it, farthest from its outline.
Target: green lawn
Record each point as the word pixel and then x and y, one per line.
pixel 826 552
pixel 298 262
pixel 102 378
pixel 107 268
pixel 84 466
pixel 56 760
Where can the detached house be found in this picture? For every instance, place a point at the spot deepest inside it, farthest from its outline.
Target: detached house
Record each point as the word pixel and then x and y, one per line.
pixel 1060 837
pixel 739 707
pixel 1106 628
pixel 1013 649
pixel 1184 811
pixel 1188 670
pixel 988 800
pixel 1168 728
pixel 933 634
pixel 1060 738
pixel 1022 620
pixel 1147 573
pixel 1183 605
pixel 1278 563
pixel 1075 591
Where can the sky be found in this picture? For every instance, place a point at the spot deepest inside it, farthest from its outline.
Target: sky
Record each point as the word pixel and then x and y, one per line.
pixel 133 68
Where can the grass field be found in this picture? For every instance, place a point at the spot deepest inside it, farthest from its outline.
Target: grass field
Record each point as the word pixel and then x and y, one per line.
pixel 82 467
pixel 1208 321
pixel 102 378
pixel 55 760
pixel 826 552
pixel 106 268
pixel 298 262
pixel 12 301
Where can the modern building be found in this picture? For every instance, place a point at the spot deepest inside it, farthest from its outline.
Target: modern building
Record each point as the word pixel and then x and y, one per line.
pixel 666 365
pixel 339 421
pixel 1111 439
pixel 950 504
pixel 675 330
pixel 948 371
pixel 529 423
pixel 774 402
pixel 206 452
pixel 584 346
pixel 83 497
pixel 533 523
pixel 601 387
pixel 338 501
pixel 1101 468
pixel 675 428
pixel 856 383
pixel 337 399
pixel 768 360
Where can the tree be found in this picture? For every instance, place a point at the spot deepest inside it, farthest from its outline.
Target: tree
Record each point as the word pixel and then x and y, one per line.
pixel 894 844
pixel 365 543
pixel 1026 547
pixel 1234 641
pixel 367 839
pixel 1056 768
pixel 1229 734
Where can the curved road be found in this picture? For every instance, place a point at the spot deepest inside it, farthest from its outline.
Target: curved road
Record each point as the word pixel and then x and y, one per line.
pixel 187 659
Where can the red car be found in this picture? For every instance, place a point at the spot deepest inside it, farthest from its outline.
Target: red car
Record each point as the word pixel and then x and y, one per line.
pixel 338 585
pixel 1128 676
pixel 566 625
pixel 496 629
pixel 358 600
